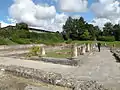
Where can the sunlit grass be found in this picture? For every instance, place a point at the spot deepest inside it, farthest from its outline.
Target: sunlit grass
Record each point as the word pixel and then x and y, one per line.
pixel 65 53
pixel 117 43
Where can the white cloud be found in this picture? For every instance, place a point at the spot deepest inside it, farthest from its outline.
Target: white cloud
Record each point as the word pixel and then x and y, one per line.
pixel 3 24
pixel 54 24
pixel 106 1
pixel 11 20
pixel 76 16
pixel 41 16
pixel 100 22
pixel 23 8
pixel 73 5
pixel 106 10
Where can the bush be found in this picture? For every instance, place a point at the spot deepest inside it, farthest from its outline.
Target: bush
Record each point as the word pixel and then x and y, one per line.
pixel 106 38
pixel 85 35
pixel 6 41
pixel 68 41
pixel 21 40
pixel 34 51
pixel 23 36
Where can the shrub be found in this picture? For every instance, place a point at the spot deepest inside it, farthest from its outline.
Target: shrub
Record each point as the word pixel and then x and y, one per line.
pixel 21 40
pixel 34 51
pixel 68 41
pixel 6 41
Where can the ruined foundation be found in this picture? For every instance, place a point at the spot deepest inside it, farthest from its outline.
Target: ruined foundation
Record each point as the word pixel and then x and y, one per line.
pixel 52 78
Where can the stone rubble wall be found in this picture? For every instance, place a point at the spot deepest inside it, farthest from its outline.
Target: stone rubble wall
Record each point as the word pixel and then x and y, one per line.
pixel 24 47
pixel 71 61
pixel 116 53
pixel 6 47
pixel 52 78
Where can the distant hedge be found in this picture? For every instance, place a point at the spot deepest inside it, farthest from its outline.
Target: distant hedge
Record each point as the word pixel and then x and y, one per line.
pixel 25 37
pixel 106 38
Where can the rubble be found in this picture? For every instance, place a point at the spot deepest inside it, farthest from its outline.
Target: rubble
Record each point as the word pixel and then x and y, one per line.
pixel 52 78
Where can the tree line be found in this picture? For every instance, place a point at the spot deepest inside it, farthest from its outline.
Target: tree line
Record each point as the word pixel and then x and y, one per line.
pixel 79 29
pixel 73 29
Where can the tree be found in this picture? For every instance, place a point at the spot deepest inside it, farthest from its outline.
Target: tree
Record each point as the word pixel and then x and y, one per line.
pixel 22 26
pixel 85 35
pixel 108 29
pixel 116 32
pixel 73 28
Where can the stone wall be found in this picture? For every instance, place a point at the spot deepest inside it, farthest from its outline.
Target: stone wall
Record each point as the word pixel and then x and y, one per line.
pixel 71 61
pixel 52 78
pixel 116 53
pixel 6 47
pixel 24 47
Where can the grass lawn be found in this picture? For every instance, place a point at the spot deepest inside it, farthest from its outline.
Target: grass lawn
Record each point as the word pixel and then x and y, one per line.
pixel 5 41
pixel 65 53
pixel 117 43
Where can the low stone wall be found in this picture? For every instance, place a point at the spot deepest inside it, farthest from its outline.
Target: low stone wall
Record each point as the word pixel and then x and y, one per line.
pixel 71 61
pixel 27 47
pixel 116 53
pixel 17 47
pixel 52 78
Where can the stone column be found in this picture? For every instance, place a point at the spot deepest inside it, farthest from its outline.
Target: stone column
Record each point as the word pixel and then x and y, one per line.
pixel 83 50
pixel 91 47
pixel 75 53
pixel 79 50
pixel 43 51
pixel 88 48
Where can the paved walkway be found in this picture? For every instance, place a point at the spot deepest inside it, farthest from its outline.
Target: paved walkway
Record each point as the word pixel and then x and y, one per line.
pixel 100 66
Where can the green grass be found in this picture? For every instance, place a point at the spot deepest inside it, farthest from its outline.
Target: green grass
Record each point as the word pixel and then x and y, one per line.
pixel 117 43
pixel 61 55
pixel 5 41
pixel 56 55
pixel 81 42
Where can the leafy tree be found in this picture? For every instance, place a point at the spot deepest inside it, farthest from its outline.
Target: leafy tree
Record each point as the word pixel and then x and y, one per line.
pixel 22 26
pixel 108 29
pixel 117 32
pixel 75 28
pixel 85 35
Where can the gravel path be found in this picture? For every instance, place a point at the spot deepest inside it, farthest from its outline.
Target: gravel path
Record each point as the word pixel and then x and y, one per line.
pixel 100 66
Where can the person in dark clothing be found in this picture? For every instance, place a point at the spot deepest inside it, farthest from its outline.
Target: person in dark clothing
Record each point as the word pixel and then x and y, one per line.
pixel 99 45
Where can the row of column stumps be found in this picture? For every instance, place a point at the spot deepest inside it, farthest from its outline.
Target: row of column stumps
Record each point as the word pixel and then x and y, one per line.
pixel 80 50
pixel 76 50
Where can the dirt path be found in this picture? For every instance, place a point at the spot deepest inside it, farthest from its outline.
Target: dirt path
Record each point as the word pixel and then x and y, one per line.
pixel 100 66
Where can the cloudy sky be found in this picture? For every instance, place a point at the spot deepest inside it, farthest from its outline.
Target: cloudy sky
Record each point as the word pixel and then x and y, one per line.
pixel 52 14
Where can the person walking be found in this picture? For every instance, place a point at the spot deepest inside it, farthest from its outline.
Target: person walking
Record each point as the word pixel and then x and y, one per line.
pixel 99 45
